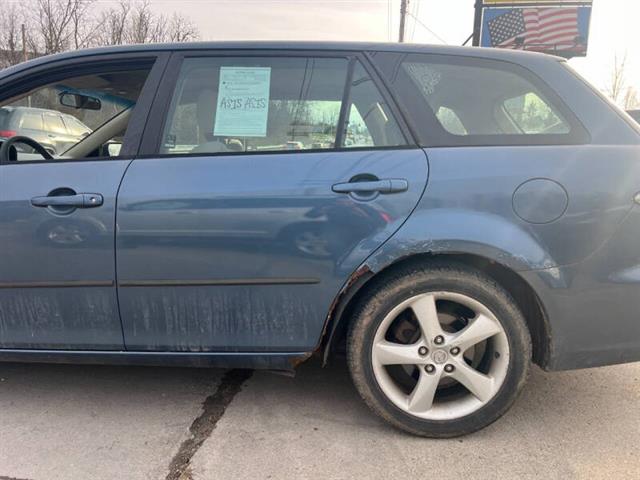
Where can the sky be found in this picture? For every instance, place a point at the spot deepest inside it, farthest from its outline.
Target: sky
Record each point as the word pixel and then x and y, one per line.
pixel 614 25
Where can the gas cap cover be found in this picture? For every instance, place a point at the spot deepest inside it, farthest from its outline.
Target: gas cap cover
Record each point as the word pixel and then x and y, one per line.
pixel 540 200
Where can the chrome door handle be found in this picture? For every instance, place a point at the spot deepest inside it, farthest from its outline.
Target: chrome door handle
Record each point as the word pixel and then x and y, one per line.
pixel 80 200
pixel 391 185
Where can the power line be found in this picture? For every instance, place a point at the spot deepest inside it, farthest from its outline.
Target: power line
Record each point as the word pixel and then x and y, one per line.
pixel 417 15
pixel 429 30
pixel 413 11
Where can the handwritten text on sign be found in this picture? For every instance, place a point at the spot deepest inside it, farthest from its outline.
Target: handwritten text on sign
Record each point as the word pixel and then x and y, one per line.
pixel 243 102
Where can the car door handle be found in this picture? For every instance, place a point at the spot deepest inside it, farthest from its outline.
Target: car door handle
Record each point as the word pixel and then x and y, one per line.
pixel 79 200
pixel 390 185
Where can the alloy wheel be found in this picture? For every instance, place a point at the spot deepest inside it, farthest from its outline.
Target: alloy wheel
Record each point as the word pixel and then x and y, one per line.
pixel 440 355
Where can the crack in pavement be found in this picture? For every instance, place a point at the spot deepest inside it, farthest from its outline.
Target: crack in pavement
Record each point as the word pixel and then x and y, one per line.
pixel 213 409
pixel 4 477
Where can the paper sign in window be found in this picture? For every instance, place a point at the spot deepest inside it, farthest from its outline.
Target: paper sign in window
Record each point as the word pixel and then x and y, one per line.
pixel 243 102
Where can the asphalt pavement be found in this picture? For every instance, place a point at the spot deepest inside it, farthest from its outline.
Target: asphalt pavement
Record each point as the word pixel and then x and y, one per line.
pixel 96 422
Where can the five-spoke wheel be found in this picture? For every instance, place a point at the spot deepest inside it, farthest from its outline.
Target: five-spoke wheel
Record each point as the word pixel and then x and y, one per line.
pixel 445 353
pixel 439 350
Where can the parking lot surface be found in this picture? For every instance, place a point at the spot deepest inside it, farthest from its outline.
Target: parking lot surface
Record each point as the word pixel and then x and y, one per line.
pixel 94 422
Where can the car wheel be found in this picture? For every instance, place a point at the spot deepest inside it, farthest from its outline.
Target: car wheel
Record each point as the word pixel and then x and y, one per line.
pixel 439 350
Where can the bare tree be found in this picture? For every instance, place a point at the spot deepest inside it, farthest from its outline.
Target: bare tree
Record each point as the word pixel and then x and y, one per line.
pixel 181 29
pixel 83 27
pixel 137 23
pixel 631 99
pixel 112 24
pixel 10 41
pixel 620 92
pixel 54 26
pixel 54 19
pixel 618 81
pixel 142 26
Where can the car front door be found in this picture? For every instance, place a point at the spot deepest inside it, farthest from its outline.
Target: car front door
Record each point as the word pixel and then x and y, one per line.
pixel 57 218
pixel 269 181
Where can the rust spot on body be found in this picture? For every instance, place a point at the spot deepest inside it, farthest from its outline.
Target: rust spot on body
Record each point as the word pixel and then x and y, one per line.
pixel 296 361
pixel 353 279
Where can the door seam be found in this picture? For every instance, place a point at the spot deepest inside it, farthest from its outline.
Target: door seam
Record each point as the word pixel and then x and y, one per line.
pixel 115 252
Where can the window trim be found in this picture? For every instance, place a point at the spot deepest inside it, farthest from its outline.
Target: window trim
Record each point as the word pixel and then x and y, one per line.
pixel 152 140
pixel 42 75
pixel 432 134
pixel 345 106
pixel 384 87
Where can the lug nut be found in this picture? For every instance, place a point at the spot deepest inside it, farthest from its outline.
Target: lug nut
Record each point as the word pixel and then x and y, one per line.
pixel 429 368
pixel 449 368
pixel 423 351
pixel 455 351
pixel 439 340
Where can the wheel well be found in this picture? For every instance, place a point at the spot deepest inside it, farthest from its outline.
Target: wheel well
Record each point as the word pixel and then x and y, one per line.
pixel 520 290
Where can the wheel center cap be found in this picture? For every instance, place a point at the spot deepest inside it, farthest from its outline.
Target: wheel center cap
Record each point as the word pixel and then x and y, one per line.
pixel 440 356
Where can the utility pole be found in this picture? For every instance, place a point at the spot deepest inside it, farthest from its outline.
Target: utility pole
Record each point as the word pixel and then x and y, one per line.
pixel 24 44
pixel 477 23
pixel 404 4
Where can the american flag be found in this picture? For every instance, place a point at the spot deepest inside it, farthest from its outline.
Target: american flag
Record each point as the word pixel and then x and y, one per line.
pixel 536 28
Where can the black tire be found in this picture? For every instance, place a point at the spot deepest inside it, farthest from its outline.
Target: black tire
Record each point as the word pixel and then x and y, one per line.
pixel 407 282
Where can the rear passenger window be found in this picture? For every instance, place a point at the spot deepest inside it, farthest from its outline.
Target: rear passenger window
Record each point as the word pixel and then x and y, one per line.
pixel 457 101
pixel 31 121
pixel 532 115
pixel 484 101
pixel 370 122
pixel 253 104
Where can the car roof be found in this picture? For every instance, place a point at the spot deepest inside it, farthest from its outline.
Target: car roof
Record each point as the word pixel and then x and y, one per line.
pixel 516 56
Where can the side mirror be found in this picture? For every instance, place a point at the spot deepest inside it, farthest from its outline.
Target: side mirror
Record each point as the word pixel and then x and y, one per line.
pixel 79 101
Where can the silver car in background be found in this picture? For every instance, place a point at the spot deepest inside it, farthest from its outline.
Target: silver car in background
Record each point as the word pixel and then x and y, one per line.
pixel 55 131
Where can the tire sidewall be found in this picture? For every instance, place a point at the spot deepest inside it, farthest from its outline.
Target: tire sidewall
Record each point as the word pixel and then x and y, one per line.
pixel 456 280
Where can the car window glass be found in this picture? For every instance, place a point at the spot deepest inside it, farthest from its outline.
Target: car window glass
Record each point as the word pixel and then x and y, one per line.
pixel 53 124
pixel 255 104
pixel 75 126
pixel 92 108
pixel 480 100
pixel 370 121
pixel 358 134
pixel 30 121
pixel 244 104
pixel 450 121
pixel 532 115
pixel 5 115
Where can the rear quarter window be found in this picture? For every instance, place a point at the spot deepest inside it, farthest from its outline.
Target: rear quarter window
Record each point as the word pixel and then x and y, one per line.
pixel 463 101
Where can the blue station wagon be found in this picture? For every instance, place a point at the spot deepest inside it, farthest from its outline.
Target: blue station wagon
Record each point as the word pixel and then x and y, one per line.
pixel 443 216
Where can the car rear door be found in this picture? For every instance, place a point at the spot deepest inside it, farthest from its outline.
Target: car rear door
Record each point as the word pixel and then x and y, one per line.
pixel 265 180
pixel 57 222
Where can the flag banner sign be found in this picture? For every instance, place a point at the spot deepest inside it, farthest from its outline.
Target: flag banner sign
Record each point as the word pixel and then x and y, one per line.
pixel 243 102
pixel 559 30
